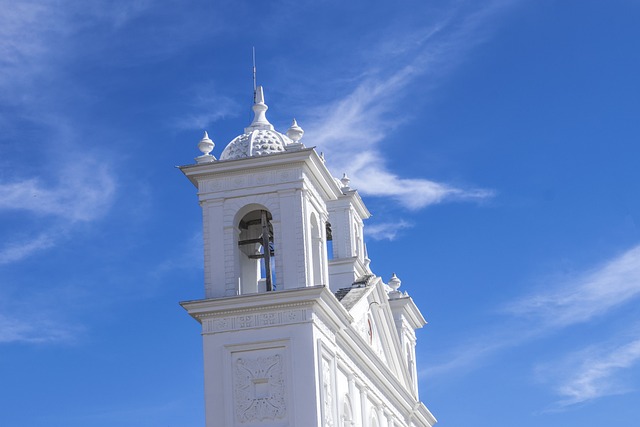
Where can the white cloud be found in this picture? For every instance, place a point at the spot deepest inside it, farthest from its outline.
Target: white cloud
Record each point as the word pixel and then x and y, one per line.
pixel 27 30
pixel 34 330
pixel 598 292
pixel 207 106
pixel 16 251
pixel 386 230
pixel 468 356
pixel 82 193
pixel 352 127
pixel 586 296
pixel 591 373
pixel 188 256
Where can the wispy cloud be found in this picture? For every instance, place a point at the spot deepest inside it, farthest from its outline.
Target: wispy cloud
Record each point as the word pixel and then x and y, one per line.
pixel 357 123
pixel 591 373
pixel 82 193
pixel 588 374
pixel 207 106
pixel 26 29
pixel 34 331
pixel 585 296
pixel 386 230
pixel 189 257
pixel 79 193
pixel 30 315
pixel 18 250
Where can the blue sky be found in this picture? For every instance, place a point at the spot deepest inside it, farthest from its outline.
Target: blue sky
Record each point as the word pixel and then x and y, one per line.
pixel 496 144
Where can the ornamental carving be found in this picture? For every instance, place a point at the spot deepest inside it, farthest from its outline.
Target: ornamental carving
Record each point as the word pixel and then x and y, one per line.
pixel 259 389
pixel 222 324
pixel 327 393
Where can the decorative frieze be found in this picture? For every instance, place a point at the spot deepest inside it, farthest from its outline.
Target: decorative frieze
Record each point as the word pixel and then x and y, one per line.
pixel 234 182
pixel 253 320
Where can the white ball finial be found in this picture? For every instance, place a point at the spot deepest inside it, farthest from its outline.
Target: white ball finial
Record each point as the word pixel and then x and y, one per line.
pixel 394 282
pixel 260 121
pixel 345 182
pixel 295 132
pixel 205 146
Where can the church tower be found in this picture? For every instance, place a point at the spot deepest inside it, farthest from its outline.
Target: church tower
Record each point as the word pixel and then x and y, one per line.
pixel 297 331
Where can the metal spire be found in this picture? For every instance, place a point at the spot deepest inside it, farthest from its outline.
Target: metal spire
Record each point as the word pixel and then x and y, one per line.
pixel 254 74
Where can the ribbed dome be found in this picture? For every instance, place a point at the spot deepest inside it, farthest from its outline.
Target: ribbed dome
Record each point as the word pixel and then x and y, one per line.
pixel 260 138
pixel 257 142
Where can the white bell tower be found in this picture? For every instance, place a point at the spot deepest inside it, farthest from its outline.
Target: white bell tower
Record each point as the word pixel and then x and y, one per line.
pixel 293 335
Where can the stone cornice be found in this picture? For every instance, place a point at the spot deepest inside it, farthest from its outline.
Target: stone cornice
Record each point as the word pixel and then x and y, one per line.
pixel 246 303
pixel 318 171
pixel 410 311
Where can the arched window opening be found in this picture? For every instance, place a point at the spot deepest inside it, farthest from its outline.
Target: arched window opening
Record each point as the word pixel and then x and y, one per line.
pixel 316 251
pixel 410 362
pixel 347 416
pixel 329 241
pixel 257 273
pixel 374 421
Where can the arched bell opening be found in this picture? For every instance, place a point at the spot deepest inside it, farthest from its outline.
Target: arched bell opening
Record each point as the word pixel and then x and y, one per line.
pixel 256 248
pixel 329 240
pixel 357 237
pixel 316 251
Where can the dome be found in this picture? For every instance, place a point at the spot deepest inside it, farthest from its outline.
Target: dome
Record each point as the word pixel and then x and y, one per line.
pixel 257 142
pixel 259 138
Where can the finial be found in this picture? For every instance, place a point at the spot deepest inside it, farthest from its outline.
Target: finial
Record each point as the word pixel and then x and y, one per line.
pixel 394 283
pixel 259 96
pixel 205 146
pixel 345 182
pixel 295 132
pixel 367 260
pixel 260 121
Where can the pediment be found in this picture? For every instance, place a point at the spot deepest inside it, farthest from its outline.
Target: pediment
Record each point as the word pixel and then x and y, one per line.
pixel 367 302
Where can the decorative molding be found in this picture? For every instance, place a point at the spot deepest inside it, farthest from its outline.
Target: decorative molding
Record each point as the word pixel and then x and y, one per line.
pixel 364 329
pixel 253 320
pixel 327 393
pixel 274 176
pixel 259 389
pixel 363 381
pixel 328 333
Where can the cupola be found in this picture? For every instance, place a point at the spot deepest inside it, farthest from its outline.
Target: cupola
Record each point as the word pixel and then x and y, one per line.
pixel 260 138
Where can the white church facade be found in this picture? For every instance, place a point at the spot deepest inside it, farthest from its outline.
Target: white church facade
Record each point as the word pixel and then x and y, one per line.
pixel 297 330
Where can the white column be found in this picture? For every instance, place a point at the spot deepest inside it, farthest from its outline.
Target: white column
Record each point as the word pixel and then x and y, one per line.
pixel 355 414
pixel 364 405
pixel 215 265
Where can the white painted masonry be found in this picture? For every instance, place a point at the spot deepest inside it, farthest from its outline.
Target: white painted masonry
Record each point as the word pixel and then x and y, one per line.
pixel 331 345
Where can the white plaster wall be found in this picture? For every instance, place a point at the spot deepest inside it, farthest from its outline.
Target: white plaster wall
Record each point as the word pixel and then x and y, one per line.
pixel 292 343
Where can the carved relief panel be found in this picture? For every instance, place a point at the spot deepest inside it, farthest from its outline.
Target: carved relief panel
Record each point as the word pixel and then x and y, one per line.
pixel 260 392
pixel 327 392
pixel 259 388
